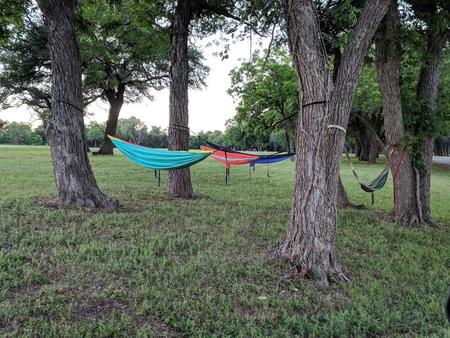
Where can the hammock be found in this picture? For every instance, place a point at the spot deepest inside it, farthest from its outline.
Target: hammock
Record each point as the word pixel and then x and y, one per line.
pixel 158 159
pixel 230 157
pixel 274 158
pixel 375 185
pixel 263 159
pixel 378 183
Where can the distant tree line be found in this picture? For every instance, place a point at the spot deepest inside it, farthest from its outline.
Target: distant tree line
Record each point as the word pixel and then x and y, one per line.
pixel 21 133
pixel 135 130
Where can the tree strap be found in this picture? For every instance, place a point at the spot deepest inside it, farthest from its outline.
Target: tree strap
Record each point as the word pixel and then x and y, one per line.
pixel 314 102
pixel 335 126
pixel 72 105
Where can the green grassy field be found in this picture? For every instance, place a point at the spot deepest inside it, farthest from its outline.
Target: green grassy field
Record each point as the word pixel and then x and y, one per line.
pixel 162 267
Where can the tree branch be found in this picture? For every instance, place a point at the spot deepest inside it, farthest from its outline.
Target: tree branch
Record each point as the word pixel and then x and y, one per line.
pixel 217 9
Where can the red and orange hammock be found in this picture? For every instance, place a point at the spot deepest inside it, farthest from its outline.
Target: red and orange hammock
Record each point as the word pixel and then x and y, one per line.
pixel 232 157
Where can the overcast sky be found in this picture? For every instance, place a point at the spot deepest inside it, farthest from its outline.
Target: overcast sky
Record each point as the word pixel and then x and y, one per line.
pixel 209 108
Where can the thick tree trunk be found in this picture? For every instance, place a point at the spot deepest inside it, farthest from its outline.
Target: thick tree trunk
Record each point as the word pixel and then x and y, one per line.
pixel 179 184
pixel 75 180
pixel 309 244
pixel 388 49
pixel 115 100
pixel 427 92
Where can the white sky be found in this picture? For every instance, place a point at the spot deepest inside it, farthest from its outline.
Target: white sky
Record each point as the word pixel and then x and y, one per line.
pixel 209 108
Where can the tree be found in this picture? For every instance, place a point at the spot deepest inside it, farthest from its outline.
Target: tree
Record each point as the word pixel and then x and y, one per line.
pixel 25 77
pixel 26 68
pixel 388 57
pixel 409 123
pixel 309 244
pixel 267 93
pixel 436 16
pixel 74 178
pixel 210 17
pixel 124 56
pixel 366 118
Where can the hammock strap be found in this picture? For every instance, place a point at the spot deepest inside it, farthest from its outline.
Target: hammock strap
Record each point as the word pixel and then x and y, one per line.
pixel 352 167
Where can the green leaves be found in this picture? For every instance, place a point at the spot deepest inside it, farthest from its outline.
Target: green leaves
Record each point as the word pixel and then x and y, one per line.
pixel 121 46
pixel 266 91
pixel 11 17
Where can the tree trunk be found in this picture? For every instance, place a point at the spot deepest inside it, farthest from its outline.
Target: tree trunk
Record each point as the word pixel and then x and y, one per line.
pixel 179 184
pixel 115 100
pixel 342 201
pixel 309 244
pixel 74 178
pixel 374 149
pixel 289 142
pixel 427 92
pixel 363 138
pixel 388 49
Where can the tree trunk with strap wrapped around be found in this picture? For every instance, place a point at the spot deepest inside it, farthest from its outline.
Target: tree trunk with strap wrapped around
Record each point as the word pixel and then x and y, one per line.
pixel 74 178
pixel 309 243
pixel 407 206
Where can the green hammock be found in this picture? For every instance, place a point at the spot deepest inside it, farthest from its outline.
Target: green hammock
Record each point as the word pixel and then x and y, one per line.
pixel 375 185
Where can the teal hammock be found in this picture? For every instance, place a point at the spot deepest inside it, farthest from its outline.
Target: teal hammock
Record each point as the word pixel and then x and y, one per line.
pixel 158 159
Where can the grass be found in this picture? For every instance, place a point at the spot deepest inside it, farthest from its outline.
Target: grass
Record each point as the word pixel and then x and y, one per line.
pixel 162 267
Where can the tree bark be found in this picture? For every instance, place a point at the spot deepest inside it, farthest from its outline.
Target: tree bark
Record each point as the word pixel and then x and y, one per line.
pixel 74 178
pixel 427 92
pixel 343 201
pixel 179 183
pixel 288 140
pixel 115 99
pixel 388 57
pixel 363 138
pixel 374 149
pixel 309 244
